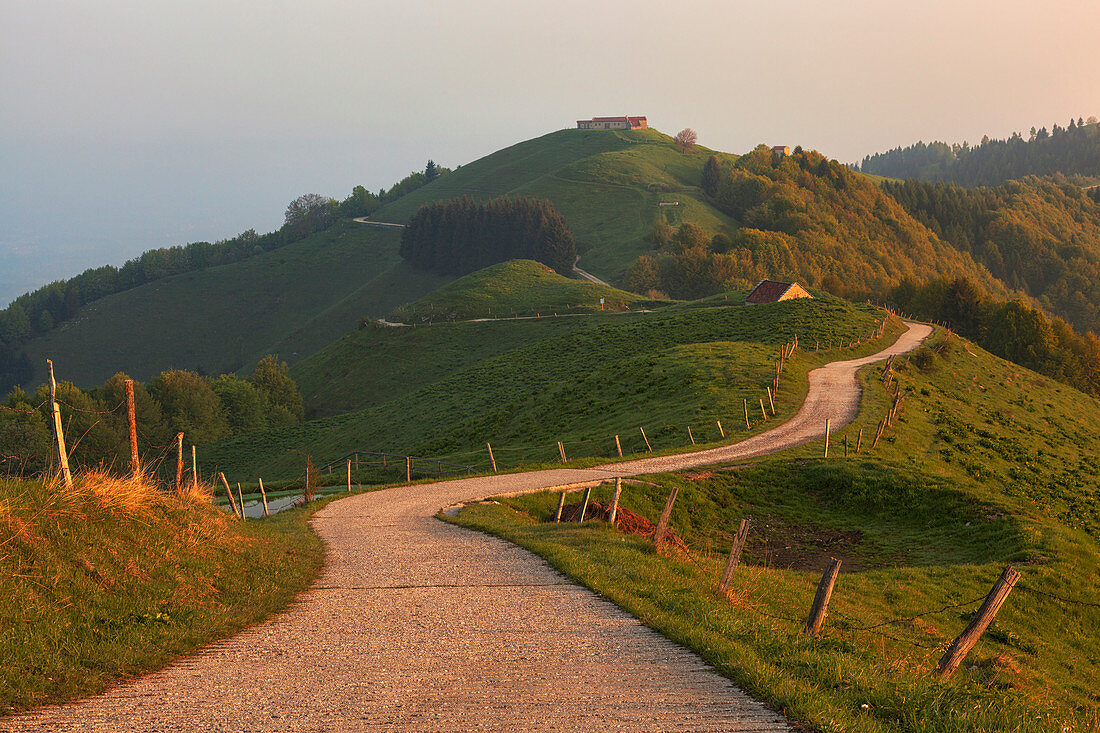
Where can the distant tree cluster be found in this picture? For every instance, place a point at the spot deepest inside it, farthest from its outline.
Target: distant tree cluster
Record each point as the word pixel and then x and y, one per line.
pixel 464 235
pixel 39 312
pixel 1070 150
pixel 1010 329
pixel 1039 236
pixel 204 409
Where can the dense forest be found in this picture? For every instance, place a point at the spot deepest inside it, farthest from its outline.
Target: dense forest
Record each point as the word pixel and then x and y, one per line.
pixel 458 237
pixel 44 309
pixel 800 217
pixel 1041 237
pixel 204 409
pixel 1073 150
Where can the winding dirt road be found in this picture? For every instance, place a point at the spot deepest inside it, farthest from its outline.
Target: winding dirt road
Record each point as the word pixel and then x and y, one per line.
pixel 415 624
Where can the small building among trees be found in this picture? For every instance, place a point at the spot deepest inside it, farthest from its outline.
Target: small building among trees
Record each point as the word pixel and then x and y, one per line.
pixel 772 291
pixel 613 123
pixel 781 151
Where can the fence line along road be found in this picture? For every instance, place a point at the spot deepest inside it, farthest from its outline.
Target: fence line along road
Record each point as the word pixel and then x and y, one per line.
pixel 415 624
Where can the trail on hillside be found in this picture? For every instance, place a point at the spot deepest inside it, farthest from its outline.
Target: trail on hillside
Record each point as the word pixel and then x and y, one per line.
pixel 415 624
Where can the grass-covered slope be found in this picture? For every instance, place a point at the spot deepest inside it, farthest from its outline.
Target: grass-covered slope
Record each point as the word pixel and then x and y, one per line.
pixel 988 464
pixel 292 301
pixel 514 288
pixel 581 380
pixel 114 578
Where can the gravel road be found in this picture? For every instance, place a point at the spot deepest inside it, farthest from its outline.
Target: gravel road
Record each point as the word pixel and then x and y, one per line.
pixel 418 625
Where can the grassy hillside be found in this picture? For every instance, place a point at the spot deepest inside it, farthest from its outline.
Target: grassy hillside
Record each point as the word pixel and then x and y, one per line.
pixel 607 184
pixel 514 288
pixel 113 578
pixel 580 380
pixel 988 464
pixel 292 301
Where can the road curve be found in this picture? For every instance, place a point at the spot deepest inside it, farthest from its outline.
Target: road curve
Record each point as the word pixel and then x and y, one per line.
pixel 416 624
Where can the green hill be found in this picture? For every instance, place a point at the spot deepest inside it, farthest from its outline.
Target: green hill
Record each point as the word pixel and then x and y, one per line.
pixel 291 301
pixel 444 390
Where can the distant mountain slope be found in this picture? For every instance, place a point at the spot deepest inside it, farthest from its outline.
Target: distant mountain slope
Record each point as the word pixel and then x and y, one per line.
pixel 292 301
pixel 1073 150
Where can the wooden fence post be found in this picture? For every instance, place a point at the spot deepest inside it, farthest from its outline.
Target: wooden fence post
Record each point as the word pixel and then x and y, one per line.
pixel 491 459
pixel 615 500
pixel 720 430
pixel 179 463
pixel 762 410
pixel 690 436
pixel 408 469
pixel 194 467
pixel 845 446
pixel 878 433
pixel 735 556
pixel 745 404
pixel 240 498
pixel 647 446
pixel 958 650
pixel 349 475
pixel 826 437
pixel 666 515
pixel 232 501
pixel 263 496
pixel 618 446
pixel 135 464
pixel 561 505
pixel 859 440
pixel 561 451
pixel 584 503
pixel 771 402
pixel 821 598
pixel 59 431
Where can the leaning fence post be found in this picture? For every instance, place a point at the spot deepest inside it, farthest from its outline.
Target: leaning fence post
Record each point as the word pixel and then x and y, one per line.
pixel 263 496
pixel 735 556
pixel 666 514
pixel 584 503
pixel 720 430
pixel 745 404
pixel 618 446
pixel 615 500
pixel 821 598
pixel 958 650
pixel 826 437
pixel 491 459
pixel 240 498
pixel 58 431
pixel 859 440
pixel 771 402
pixel 561 505
pixel 647 446
pixel 561 451
pixel 690 436
pixel 762 410
pixel 232 501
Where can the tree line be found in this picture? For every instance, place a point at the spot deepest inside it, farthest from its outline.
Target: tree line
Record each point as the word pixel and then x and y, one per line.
pixel 204 409
pixel 1070 150
pixel 460 236
pixel 42 310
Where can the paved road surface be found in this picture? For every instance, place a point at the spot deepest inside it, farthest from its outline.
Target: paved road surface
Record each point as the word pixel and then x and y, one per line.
pixel 419 625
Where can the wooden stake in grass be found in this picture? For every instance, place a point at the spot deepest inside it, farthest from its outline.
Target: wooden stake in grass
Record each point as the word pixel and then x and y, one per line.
pixel 194 467
pixel 720 430
pixel 859 440
pixel 735 556
pixel 762 410
pixel 845 446
pixel 135 464
pixel 647 446
pixel 745 404
pixel 561 505
pixel 821 598
pixel 666 515
pixel 58 431
pixel 263 496
pixel 561 451
pixel 878 433
pixel 584 503
pixel 958 650
pixel 408 469
pixel 491 459
pixel 615 501
pixel 618 446
pixel 771 402
pixel 240 499
pixel 232 501
pixel 690 436
pixel 826 437
pixel 179 463
pixel 349 475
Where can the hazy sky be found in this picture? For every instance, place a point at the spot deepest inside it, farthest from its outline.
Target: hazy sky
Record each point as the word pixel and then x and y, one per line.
pixel 131 125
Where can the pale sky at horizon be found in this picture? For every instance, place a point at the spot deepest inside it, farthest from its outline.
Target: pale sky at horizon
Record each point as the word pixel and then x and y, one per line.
pixel 130 125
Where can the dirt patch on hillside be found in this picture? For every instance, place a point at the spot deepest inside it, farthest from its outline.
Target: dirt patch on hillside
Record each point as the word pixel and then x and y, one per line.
pixel 787 546
pixel 626 521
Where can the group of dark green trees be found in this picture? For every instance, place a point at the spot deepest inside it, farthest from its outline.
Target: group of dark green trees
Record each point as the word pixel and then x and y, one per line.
pixel 1073 150
pixel 44 309
pixel 204 409
pixel 460 236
